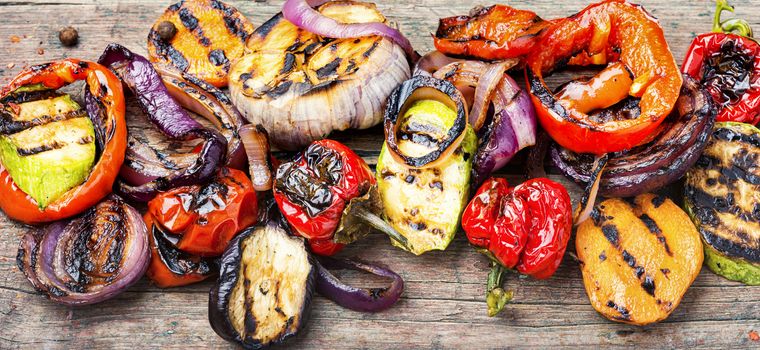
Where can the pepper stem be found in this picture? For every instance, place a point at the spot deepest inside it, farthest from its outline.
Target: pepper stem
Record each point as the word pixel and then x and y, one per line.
pixel 740 26
pixel 496 297
pixel 381 225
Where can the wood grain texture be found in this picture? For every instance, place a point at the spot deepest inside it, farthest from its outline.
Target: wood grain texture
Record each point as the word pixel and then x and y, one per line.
pixel 443 305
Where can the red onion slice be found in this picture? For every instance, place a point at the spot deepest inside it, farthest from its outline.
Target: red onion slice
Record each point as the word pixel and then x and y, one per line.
pixel 256 142
pixel 432 62
pixel 484 91
pixel 303 15
pixel 358 299
pixel 89 259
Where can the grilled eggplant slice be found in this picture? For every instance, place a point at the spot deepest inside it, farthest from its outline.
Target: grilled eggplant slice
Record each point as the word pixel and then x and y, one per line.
pixel 301 86
pixel 264 290
pixel 47 143
pixel 207 36
pixel 723 199
pixel 424 203
pixel 638 258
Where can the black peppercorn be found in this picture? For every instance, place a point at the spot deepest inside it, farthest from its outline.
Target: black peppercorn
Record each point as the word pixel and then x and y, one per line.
pixel 166 30
pixel 68 36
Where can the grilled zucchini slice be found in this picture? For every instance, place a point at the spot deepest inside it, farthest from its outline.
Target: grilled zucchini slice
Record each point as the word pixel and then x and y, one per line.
pixel 638 258
pixel 723 199
pixel 47 143
pixel 425 204
pixel 209 36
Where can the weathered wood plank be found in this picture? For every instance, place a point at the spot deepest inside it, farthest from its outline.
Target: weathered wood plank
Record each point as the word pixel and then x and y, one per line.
pixel 442 306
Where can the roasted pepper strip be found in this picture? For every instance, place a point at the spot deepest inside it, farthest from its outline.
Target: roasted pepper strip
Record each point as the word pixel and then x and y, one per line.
pixel 728 65
pixel 105 107
pixel 484 35
pixel 606 32
pixel 202 219
pixel 312 191
pixel 525 227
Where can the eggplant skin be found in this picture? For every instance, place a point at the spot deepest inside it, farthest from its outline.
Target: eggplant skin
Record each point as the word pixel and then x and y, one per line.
pixel 223 292
pixel 721 197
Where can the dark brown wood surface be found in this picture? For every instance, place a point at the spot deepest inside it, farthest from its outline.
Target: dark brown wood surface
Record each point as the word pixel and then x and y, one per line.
pixel 443 304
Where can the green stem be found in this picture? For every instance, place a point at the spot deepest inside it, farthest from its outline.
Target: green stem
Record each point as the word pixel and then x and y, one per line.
pixel 740 26
pixel 496 296
pixel 381 225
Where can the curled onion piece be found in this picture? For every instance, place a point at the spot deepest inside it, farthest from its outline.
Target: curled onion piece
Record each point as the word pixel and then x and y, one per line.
pixel 660 162
pixel 424 88
pixel 163 111
pixel 432 62
pixel 89 259
pixel 256 142
pixel 358 299
pixel 302 14
pixel 586 205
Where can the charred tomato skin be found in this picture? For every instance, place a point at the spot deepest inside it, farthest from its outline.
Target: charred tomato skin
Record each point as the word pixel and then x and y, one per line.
pixel 219 295
pixel 729 66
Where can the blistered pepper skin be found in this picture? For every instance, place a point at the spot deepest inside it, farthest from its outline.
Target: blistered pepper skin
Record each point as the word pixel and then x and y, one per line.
pixel 312 191
pixel 526 227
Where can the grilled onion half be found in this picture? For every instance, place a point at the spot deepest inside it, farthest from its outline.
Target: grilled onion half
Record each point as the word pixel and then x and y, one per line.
pixel 301 86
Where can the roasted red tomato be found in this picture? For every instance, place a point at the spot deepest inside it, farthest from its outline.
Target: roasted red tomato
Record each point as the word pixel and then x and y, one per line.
pixel 728 65
pixel 525 227
pixel 201 220
pixel 489 33
pixel 626 102
pixel 312 191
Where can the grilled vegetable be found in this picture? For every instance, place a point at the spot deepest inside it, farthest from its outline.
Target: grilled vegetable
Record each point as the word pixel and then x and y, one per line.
pixel 57 160
pixel 482 34
pixel 723 198
pixel 207 36
pixel 626 102
pixel 358 299
pixel 301 86
pixel 202 219
pixel 728 65
pixel 423 172
pixel 264 291
pixel 638 258
pixel 171 267
pixel 89 259
pixel 657 163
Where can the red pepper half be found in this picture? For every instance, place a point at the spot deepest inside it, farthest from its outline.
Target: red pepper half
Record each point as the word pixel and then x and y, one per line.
pixel 202 219
pixel 107 114
pixel 728 65
pixel 524 227
pixel 326 189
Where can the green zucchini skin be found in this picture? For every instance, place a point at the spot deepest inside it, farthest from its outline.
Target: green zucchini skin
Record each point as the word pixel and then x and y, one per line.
pixel 722 196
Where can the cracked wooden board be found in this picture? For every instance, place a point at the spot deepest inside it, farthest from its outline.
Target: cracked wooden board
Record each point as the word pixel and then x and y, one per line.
pixel 442 306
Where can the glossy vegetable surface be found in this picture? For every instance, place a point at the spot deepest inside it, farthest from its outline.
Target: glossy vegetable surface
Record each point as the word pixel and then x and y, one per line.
pixel 355 298
pixel 104 103
pixel 638 258
pixel 722 196
pixel 626 109
pixel 208 36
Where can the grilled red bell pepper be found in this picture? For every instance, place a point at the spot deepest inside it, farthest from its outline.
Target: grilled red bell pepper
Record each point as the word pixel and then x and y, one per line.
pixel 202 219
pixel 524 227
pixel 728 65
pixel 327 189
pixel 107 114
pixel 627 101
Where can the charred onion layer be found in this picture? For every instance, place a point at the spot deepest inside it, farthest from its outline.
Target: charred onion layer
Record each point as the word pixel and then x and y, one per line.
pixel 89 259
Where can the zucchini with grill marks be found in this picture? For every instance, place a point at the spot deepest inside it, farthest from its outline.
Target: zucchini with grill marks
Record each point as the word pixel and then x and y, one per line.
pixel 47 143
pixel 723 199
pixel 638 258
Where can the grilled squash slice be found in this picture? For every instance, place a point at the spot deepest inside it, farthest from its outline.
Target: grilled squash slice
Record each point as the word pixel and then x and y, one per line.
pixel 47 143
pixel 301 86
pixel 209 35
pixel 723 198
pixel 638 258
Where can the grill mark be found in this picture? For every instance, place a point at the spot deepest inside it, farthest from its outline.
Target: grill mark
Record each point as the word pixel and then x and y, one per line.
pixel 625 315
pixel 168 52
pixel 29 96
pixel 655 229
pixel 233 23
pixel 25 152
pixel 705 206
pixel 8 126
pixel 657 201
pixel 289 63
pixel 264 29
pixel 733 136
pixel 371 49
pixel 730 247
pixel 611 233
pixel 188 19
pixel 329 69
pixel 218 58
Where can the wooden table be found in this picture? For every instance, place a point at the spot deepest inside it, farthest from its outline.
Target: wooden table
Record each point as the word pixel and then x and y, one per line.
pixel 443 304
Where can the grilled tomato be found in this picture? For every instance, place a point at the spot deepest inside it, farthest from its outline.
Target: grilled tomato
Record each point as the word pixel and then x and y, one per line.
pixel 200 37
pixel 638 258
